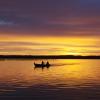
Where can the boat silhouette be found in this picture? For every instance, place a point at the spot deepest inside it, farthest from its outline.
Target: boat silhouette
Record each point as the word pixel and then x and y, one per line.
pixel 42 65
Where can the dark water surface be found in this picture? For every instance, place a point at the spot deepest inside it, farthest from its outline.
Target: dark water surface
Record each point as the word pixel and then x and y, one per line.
pixel 64 80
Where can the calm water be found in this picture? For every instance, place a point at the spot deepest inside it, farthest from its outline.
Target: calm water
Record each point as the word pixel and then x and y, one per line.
pixel 64 80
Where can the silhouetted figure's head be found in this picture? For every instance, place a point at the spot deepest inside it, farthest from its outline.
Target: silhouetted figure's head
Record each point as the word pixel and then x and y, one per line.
pixel 47 64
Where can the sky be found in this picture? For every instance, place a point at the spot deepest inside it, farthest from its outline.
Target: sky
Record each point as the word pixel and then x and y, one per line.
pixel 49 27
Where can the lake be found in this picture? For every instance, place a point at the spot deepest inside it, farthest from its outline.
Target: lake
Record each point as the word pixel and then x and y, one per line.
pixel 68 79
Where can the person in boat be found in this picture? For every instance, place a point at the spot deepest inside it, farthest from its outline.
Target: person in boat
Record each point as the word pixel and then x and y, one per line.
pixel 42 63
pixel 47 64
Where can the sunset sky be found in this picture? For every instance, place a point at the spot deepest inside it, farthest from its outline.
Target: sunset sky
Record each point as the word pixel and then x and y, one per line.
pixel 49 27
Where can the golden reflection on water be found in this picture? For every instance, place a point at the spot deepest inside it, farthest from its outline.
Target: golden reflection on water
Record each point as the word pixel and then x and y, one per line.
pixel 62 73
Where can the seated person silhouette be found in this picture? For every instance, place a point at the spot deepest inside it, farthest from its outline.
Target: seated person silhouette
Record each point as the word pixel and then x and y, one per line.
pixel 47 64
pixel 43 64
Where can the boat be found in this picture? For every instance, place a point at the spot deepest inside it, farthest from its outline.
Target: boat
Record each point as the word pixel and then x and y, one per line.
pixel 42 65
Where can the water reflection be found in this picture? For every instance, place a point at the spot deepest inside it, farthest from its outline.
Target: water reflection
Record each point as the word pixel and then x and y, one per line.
pixel 61 76
pixel 35 67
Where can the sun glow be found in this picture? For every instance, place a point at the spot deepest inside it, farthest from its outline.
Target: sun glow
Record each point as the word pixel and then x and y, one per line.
pixel 49 45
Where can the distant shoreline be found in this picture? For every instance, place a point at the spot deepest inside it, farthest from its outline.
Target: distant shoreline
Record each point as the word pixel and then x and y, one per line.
pixel 47 57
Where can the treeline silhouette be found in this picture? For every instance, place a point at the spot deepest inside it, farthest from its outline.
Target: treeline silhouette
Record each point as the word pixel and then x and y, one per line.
pixel 48 57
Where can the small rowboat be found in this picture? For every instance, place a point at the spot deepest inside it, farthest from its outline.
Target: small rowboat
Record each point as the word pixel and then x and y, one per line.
pixel 41 65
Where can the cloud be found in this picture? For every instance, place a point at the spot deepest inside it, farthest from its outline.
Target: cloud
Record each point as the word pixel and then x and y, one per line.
pixel 30 48
pixel 6 23
pixel 50 17
pixel 27 48
pixel 32 44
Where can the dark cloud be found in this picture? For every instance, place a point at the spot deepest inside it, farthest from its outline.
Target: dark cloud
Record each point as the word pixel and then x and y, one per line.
pixel 50 17
pixel 6 23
